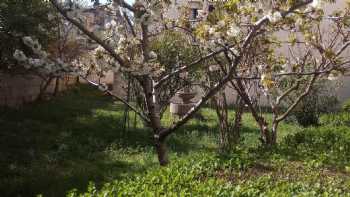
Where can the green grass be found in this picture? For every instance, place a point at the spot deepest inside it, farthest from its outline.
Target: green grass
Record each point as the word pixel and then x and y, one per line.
pixel 53 147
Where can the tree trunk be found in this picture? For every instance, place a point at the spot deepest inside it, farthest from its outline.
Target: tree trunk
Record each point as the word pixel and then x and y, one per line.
pixel 162 152
pixel 43 88
pixel 263 125
pixel 154 116
pixel 236 129
pixel 265 133
pixel 273 140
pixel 220 105
pixel 57 86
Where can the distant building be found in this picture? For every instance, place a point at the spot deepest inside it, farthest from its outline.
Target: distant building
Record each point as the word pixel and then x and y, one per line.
pixel 94 19
pixel 199 9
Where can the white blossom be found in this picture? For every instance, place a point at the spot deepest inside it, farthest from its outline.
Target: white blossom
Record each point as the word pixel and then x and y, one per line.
pixel 19 56
pixel 50 17
pixel 317 4
pixel 333 76
pixel 152 55
pixel 234 50
pixel 274 17
pixel 286 68
pixel 221 24
pixel 217 35
pixel 233 31
pixel 211 30
pixel 35 62
pixel 34 44
pixel 261 67
pixel 103 87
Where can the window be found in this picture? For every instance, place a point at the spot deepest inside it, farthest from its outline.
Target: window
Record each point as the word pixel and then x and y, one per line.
pixel 194 13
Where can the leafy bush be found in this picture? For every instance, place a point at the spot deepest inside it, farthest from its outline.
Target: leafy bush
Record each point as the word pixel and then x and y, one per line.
pixel 307 113
pixel 320 100
pixel 346 106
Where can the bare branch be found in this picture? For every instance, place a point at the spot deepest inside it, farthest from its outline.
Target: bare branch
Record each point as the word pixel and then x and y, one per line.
pixel 128 21
pixel 199 104
pixel 297 101
pixel 186 67
pixel 294 87
pixel 110 93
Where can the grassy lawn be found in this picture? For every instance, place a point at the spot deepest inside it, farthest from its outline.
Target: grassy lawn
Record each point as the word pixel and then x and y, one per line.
pixel 51 148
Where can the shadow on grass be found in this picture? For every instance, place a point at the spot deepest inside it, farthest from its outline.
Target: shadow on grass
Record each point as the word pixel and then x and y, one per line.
pixel 52 147
pixel 64 143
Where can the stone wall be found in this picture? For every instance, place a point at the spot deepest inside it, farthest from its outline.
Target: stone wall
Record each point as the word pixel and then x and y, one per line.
pixel 16 90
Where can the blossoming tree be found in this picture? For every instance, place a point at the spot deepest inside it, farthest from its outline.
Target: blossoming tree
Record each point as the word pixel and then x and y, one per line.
pixel 240 32
pixel 293 50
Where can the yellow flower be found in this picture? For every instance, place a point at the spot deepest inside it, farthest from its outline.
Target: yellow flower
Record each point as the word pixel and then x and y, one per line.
pixel 266 81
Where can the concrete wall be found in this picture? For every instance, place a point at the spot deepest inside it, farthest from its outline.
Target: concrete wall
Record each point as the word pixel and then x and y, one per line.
pixel 20 89
pixel 343 91
pixel 174 11
pixel 343 85
pixel 17 90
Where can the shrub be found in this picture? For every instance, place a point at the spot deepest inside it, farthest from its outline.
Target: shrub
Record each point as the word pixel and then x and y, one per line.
pixel 346 106
pixel 320 100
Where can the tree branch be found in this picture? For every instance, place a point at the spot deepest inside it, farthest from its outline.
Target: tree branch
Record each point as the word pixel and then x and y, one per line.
pixel 123 4
pixel 280 98
pixel 186 67
pixel 297 101
pixel 110 93
pixel 163 134
pixel 90 34
pixel 128 21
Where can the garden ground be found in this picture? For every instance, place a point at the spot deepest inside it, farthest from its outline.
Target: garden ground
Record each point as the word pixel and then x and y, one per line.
pixel 76 144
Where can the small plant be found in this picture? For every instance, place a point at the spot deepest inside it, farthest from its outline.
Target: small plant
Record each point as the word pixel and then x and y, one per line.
pixel 336 119
pixel 326 145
